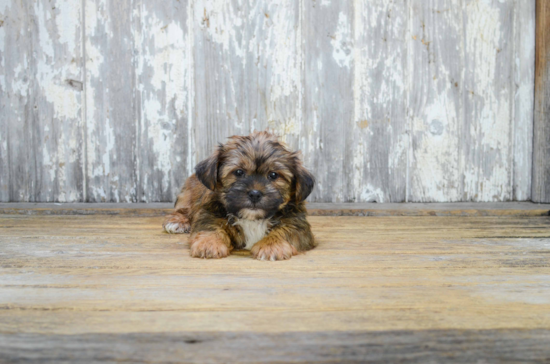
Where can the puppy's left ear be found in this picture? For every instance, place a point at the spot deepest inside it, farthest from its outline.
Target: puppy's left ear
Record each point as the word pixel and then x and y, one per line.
pixel 305 181
pixel 207 170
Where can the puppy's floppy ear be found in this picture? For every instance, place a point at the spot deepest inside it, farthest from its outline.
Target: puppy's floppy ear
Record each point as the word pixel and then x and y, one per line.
pixel 207 170
pixel 305 181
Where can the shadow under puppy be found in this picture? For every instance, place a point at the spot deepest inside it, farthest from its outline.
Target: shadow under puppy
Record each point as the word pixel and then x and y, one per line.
pixel 249 194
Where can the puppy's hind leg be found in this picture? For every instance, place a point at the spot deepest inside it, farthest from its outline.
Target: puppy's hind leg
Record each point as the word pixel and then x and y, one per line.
pixel 177 222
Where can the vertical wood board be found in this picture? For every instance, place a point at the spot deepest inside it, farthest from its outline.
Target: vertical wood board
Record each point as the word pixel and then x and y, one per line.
pixel 488 101
pixel 40 98
pixel 328 95
pixel 111 106
pixel 162 105
pixel 379 136
pixel 524 94
pixel 436 64
pixel 246 70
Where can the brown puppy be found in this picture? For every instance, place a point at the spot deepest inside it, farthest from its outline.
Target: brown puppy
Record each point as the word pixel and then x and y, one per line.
pixel 249 194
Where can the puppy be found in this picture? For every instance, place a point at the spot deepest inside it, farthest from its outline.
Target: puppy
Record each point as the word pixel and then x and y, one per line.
pixel 249 194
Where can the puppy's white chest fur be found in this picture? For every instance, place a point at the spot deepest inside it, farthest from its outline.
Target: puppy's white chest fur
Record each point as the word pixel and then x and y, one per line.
pixel 254 230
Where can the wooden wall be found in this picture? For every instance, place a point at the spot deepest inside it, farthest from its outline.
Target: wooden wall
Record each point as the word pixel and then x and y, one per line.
pixel 389 100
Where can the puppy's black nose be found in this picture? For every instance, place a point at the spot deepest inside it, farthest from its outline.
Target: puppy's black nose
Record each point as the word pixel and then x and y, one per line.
pixel 255 195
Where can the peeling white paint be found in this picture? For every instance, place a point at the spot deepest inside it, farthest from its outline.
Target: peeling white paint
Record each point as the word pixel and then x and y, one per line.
pixel 20 85
pixel 370 193
pixel 223 23
pixel 379 91
pixel 489 102
pixel 342 42
pixel 68 22
pixel 259 60
pixel 359 157
pixel 43 16
pixel 523 101
pixel 285 128
pixel 163 68
pixel 483 39
pixel 436 156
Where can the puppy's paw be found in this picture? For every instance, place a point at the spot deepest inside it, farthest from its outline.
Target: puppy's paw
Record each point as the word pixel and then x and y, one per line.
pixel 208 245
pixel 176 223
pixel 270 248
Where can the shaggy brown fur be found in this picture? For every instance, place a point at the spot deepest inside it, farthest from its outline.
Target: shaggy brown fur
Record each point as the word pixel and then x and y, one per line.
pixel 250 180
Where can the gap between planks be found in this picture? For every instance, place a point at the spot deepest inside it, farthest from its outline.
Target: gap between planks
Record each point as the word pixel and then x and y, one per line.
pixel 314 209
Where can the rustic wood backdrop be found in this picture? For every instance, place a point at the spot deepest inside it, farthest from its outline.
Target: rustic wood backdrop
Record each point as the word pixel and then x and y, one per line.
pixel 389 100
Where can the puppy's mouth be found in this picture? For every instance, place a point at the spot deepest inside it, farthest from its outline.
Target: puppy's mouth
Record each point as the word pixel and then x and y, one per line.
pixel 246 203
pixel 252 213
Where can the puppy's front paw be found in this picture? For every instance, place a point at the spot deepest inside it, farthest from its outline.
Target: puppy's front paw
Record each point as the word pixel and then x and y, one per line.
pixel 208 245
pixel 270 248
pixel 176 223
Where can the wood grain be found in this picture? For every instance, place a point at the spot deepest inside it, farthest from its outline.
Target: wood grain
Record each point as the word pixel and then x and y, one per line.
pixel 437 286
pixel 163 79
pixel 111 105
pixel 429 346
pixel 541 151
pixel 328 61
pixel 378 136
pixel 435 102
pixel 488 100
pixel 40 100
pixel 524 94
pixel 246 77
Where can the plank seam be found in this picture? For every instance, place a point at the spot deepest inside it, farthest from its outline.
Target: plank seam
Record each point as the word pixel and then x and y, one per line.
pixel 408 101
pixel 84 109
pixel 461 157
pixel 513 121
pixel 358 211
pixel 190 88
pixel 138 104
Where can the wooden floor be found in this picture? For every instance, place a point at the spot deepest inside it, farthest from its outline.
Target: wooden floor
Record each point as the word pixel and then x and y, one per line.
pixel 102 288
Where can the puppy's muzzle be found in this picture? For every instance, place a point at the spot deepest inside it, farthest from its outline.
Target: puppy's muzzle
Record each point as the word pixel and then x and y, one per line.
pixel 255 196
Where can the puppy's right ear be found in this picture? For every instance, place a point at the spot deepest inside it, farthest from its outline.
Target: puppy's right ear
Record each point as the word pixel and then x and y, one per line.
pixel 305 181
pixel 207 170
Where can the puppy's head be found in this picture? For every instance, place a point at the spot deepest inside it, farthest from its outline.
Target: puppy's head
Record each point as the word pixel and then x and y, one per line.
pixel 255 176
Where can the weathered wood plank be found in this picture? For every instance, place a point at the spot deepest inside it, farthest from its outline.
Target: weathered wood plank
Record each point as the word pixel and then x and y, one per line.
pixel 436 63
pixel 487 135
pixel 218 57
pixel 328 106
pixel 471 137
pixel 428 346
pixel 16 102
pixel 40 98
pixel 112 111
pixel 246 70
pixel 379 138
pixel 163 74
pixel 541 147
pixel 275 55
pixel 524 93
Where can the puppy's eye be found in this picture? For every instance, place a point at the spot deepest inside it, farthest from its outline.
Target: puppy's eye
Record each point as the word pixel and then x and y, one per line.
pixel 273 176
pixel 239 173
